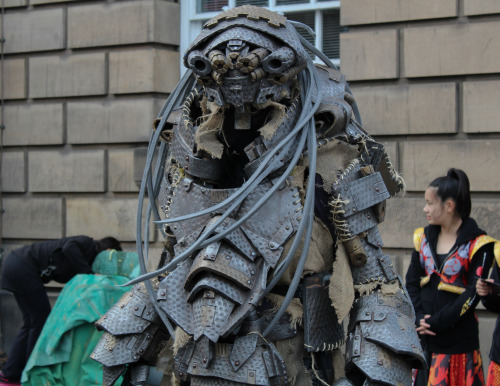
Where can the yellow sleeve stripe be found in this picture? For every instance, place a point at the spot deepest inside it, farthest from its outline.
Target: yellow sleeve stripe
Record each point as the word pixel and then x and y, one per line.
pixel 417 238
pixel 450 288
pixel 496 251
pixel 425 280
pixel 482 241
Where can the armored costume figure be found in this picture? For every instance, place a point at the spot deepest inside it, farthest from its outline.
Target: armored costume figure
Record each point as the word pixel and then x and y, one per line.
pixel 269 196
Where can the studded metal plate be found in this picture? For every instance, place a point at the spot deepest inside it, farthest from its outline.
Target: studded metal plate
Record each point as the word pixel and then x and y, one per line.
pixel 221 286
pixel 242 33
pixel 208 381
pixel 211 312
pixel 253 371
pixel 113 351
pixel 241 312
pixel 376 362
pixel 133 313
pixel 284 205
pixel 322 331
pixel 378 266
pixel 172 297
pixel 111 374
pixel 388 320
pixel 263 245
pixel 332 84
pixel 362 221
pixel 227 263
pixel 188 197
pixel 243 348
pixel 363 193
pixel 238 240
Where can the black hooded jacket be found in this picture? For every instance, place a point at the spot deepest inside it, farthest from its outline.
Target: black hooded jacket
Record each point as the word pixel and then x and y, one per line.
pixel 57 260
pixel 453 316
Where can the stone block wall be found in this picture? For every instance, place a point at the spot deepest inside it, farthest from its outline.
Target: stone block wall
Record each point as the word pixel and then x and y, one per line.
pixel 425 77
pixel 83 82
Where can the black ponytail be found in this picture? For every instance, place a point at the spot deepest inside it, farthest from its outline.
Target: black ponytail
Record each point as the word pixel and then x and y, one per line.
pixel 455 185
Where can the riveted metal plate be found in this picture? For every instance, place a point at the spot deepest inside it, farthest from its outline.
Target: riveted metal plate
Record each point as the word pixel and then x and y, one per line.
pixel 275 366
pixel 133 313
pixel 206 349
pixel 172 297
pixel 322 331
pixel 378 266
pixel 220 285
pixel 208 168
pixel 253 371
pixel 189 197
pixel 363 193
pixel 238 240
pixel 250 302
pixel 243 348
pixel 228 264
pixel 118 350
pixel 263 245
pixel 374 238
pixel 182 358
pixel 390 323
pixel 208 381
pixel 361 221
pixel 210 315
pixel 283 205
pixel 379 364
pixel 332 83
pixel 111 374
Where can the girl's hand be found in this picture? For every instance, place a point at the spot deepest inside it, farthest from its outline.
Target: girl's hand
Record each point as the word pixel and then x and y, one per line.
pixel 424 328
pixel 482 288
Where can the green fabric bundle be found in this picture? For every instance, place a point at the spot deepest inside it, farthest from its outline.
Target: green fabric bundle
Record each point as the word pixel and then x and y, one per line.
pixel 61 354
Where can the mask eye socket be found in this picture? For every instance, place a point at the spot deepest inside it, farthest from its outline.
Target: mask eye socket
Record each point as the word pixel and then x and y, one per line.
pixel 199 63
pixel 279 61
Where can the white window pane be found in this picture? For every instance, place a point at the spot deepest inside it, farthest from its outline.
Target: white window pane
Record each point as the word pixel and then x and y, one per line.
pixel 331 31
pixel 306 18
pixel 210 5
pixel 287 2
pixel 260 3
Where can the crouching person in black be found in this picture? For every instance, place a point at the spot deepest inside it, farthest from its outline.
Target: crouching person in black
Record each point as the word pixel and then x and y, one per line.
pixel 24 272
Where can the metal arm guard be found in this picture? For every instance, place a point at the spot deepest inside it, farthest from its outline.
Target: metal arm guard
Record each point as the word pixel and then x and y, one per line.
pixel 132 336
pixel 382 342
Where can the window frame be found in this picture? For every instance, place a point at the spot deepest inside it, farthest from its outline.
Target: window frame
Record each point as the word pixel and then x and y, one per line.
pixel 191 21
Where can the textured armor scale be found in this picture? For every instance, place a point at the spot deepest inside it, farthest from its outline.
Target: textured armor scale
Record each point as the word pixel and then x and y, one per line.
pixel 269 195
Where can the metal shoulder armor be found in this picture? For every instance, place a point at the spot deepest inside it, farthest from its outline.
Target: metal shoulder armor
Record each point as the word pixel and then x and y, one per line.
pixel 133 337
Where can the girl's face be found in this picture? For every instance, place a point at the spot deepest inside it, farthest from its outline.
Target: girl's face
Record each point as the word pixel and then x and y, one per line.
pixel 434 208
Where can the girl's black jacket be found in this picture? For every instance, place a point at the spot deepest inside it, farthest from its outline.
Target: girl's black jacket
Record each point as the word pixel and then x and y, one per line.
pixel 453 316
pixel 492 303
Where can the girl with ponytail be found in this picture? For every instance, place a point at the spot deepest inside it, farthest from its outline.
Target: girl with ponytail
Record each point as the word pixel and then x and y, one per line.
pixel 449 254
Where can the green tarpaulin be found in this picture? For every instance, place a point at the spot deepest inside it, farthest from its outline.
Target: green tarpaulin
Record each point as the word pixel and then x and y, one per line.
pixel 61 354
